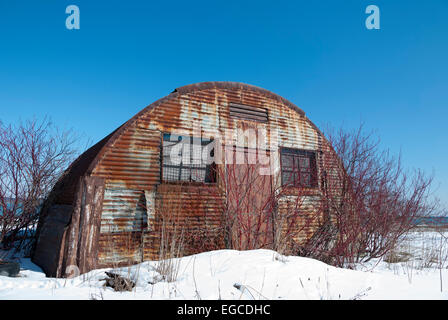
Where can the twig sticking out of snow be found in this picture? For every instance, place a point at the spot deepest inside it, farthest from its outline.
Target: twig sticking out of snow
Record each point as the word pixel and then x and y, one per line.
pixel 247 289
pixel 198 296
pixel 361 294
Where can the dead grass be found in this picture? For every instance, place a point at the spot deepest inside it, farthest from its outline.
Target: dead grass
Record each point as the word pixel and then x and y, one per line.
pixel 171 248
pixel 397 257
pixel 421 250
pixel 172 243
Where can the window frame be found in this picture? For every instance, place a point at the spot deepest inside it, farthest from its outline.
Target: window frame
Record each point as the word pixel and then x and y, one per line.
pixel 296 155
pixel 210 172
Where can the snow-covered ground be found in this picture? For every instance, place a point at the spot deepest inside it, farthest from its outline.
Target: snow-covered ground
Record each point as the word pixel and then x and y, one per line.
pixel 256 274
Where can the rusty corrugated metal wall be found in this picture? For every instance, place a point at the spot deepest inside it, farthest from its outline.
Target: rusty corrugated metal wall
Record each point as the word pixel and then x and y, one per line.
pixel 128 166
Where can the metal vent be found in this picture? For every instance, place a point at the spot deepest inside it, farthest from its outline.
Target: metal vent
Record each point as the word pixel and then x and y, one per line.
pixel 248 112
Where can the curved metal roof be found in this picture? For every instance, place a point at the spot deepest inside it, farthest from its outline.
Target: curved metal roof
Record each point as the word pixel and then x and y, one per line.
pixel 87 161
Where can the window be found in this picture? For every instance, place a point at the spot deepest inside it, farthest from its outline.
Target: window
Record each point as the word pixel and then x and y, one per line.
pixel 183 159
pixel 298 167
pixel 248 112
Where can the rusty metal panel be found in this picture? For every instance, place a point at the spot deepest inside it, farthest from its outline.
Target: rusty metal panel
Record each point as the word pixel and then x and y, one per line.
pixel 124 210
pixel 47 254
pixel 90 223
pixel 185 209
pixel 128 161
pixel 119 249
pixel 310 217
pixel 79 247
pixel 133 161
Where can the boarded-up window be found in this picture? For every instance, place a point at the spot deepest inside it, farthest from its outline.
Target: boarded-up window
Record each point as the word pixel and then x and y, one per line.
pixel 187 159
pixel 248 112
pixel 298 168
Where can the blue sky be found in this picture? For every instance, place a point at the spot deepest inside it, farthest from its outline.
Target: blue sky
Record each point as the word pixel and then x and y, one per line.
pixel 319 55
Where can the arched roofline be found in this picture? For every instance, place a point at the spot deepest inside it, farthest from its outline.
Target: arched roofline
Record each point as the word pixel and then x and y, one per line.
pixel 186 90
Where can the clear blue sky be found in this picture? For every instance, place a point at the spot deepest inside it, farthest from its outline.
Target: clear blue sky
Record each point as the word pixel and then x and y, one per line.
pixel 318 54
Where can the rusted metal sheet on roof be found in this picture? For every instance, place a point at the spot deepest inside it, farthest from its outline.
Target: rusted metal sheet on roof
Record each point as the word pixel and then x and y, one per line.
pixel 250 113
pixel 133 161
pixel 210 109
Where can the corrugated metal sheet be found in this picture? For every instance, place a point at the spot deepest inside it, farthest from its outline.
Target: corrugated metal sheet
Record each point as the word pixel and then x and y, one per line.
pixel 128 161
pixel 124 210
pixel 120 248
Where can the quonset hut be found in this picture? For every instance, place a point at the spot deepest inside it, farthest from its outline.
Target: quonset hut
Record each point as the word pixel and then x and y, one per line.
pixel 106 209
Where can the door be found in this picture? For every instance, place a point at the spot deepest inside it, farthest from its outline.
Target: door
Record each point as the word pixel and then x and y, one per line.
pixel 250 199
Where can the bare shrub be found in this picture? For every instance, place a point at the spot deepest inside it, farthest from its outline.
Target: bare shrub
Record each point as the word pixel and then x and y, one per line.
pixel 442 256
pixel 171 235
pixel 373 200
pixel 203 239
pixel 247 214
pixel 257 211
pixel 33 155
pixel 171 248
pixel 395 256
pixel 365 204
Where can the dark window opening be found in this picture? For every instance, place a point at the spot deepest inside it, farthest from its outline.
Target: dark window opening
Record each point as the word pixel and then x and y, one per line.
pixel 248 112
pixel 298 168
pixel 187 159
